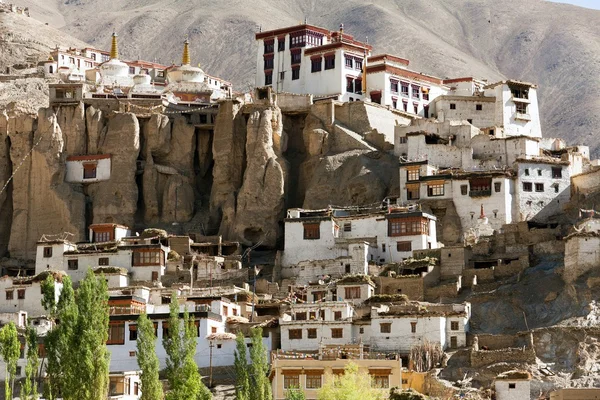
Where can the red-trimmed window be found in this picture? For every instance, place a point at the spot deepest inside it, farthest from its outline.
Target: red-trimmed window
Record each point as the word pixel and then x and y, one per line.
pixel 405 105
pixel 268 77
pixel 315 64
pixel 268 61
pixel 330 61
pixel 269 46
pixel 348 61
pixel 312 231
pixel 89 170
pixel 404 88
pixel 416 92
pixel 295 73
pixel 394 86
pixel 416 107
pixel 296 56
pixel 358 63
pixel 349 84
pixel 116 333
pixel 358 86
pixel 281 43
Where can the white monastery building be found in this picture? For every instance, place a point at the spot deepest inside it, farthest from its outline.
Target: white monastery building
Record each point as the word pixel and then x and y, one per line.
pixel 345 241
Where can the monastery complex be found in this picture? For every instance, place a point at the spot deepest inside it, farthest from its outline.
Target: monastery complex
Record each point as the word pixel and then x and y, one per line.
pixel 481 195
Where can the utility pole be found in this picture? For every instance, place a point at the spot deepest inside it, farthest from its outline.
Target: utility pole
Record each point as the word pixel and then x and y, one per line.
pixel 210 377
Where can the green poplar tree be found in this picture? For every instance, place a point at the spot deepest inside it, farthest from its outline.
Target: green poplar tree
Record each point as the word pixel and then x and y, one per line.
pixel 78 360
pixel 242 386
pixel 29 386
pixel 57 341
pixel 260 384
pixel 90 371
pixel 147 359
pixel 185 382
pixel 11 348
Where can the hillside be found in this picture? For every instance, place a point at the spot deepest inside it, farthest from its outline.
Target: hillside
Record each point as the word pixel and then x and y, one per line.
pixel 554 45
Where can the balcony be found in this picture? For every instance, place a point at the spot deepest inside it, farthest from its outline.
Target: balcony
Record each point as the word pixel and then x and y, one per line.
pixel 480 193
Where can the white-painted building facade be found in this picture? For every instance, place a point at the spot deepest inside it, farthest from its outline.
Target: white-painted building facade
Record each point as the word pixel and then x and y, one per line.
pixel 400 327
pixel 88 168
pixel 486 154
pixel 210 321
pixel 513 385
pixel 144 259
pixel 326 236
pixel 390 328
pixel 307 59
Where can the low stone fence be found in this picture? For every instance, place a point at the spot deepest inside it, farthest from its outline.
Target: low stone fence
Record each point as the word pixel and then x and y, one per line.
pixel 482 358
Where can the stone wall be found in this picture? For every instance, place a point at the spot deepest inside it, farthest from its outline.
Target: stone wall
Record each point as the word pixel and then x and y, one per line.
pixel 412 287
pixel 443 290
pixel 483 358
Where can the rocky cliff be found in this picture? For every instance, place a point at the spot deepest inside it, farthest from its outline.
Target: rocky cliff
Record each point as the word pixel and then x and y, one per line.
pixel 236 179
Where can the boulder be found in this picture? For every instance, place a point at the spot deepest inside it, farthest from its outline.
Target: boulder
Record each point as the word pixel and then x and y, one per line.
pixel 43 204
pixel 95 129
pixel 178 200
pixel 72 122
pixel 260 204
pixel 116 200
pixel 350 178
pixel 229 154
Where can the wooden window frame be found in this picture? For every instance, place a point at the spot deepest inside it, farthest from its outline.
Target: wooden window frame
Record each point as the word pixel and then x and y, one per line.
pixel 556 173
pixel 312 231
pixel 90 170
pixel 404 246
pixel 337 333
pixel 314 381
pixel 311 333
pixel 385 327
pixel 413 327
pixel 291 381
pixel 47 252
pixel 116 333
pixel 352 292
pixel 295 334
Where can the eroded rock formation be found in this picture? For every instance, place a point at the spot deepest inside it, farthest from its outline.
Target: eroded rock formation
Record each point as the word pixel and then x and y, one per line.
pixel 236 179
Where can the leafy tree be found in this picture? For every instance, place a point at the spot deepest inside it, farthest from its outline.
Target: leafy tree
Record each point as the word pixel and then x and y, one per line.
pixel 185 382
pixel 78 360
pixel 242 384
pixel 57 340
pixel 294 394
pixel 260 384
pixel 351 385
pixel 147 359
pixel 10 349
pixel 29 386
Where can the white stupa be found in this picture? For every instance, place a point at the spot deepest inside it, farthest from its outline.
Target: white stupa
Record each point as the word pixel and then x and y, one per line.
pixel 115 72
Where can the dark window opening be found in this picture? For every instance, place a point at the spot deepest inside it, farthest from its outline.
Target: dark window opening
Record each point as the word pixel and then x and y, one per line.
pixel 315 64
pixel 295 74
pixel 330 62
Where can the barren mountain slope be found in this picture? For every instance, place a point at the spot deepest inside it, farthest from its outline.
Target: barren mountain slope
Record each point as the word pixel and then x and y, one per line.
pixel 554 45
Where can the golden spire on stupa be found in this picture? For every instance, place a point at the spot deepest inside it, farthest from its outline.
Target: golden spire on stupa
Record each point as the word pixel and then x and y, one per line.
pixel 114 48
pixel 186 53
